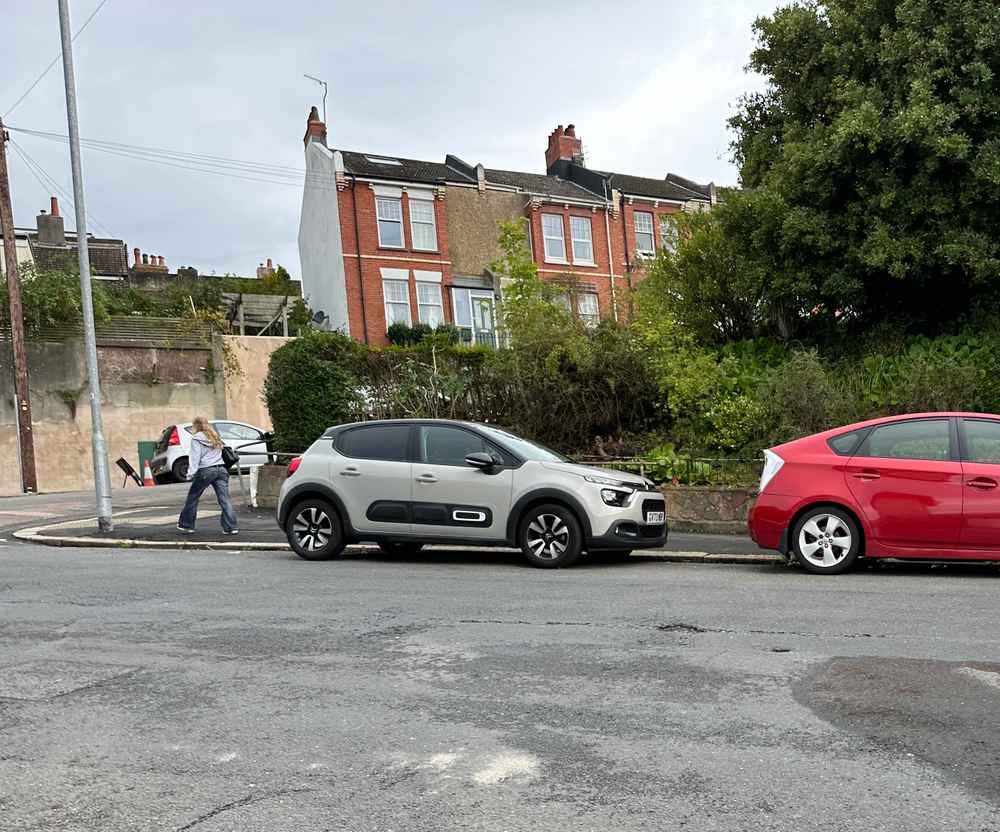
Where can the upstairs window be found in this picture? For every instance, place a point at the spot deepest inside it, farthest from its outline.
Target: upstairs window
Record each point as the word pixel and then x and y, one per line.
pixel 583 242
pixel 555 241
pixel 389 212
pixel 669 234
pixel 423 231
pixel 644 242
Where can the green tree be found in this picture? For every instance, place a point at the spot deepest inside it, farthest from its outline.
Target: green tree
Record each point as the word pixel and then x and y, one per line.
pixel 874 158
pixel 51 298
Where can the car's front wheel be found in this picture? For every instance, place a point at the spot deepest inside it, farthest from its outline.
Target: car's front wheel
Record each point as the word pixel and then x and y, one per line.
pixel 826 541
pixel 551 537
pixel 314 530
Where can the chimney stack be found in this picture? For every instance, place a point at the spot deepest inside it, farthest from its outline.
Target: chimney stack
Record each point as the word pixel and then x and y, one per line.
pixel 315 129
pixel 51 228
pixel 54 205
pixel 563 146
pixel 263 271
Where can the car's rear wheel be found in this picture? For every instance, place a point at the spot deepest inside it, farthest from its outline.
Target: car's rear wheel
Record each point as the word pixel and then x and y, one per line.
pixel 826 541
pixel 400 548
pixel 180 469
pixel 550 536
pixel 314 530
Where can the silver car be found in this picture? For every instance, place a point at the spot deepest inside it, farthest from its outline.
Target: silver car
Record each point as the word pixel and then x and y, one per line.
pixel 406 483
pixel 170 460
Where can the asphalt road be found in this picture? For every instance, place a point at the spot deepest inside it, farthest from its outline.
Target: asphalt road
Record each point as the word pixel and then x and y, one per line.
pixel 181 690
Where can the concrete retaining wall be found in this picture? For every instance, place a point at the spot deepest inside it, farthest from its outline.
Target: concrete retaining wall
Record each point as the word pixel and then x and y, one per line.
pixel 709 510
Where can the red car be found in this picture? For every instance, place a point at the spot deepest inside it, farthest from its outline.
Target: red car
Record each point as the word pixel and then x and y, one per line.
pixel 917 486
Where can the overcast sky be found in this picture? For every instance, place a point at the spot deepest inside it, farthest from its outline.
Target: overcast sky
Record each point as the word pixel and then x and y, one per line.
pixel 649 86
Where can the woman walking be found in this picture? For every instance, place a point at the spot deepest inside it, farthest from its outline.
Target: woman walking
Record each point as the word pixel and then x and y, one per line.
pixel 205 468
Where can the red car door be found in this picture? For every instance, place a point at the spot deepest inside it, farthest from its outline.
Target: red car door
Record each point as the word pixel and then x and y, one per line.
pixel 981 468
pixel 908 480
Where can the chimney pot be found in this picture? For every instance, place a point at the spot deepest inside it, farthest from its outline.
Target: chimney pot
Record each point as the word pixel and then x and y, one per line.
pixel 270 266
pixel 54 205
pixel 136 256
pixel 145 259
pixel 315 128
pixel 160 261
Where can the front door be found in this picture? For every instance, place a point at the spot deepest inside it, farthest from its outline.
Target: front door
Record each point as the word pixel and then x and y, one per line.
pixel 451 499
pixel 908 481
pixel 981 469
pixel 373 475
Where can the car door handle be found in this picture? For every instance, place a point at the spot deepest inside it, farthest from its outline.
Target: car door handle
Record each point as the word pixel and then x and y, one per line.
pixel 427 478
pixel 350 472
pixel 868 475
pixel 984 483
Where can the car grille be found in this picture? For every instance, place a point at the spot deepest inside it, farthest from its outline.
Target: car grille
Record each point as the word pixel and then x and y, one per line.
pixel 653 505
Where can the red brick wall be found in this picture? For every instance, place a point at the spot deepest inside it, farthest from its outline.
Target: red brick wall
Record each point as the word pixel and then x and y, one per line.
pixel 363 274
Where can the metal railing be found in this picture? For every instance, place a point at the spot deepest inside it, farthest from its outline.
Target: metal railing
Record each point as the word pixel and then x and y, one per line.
pixel 705 471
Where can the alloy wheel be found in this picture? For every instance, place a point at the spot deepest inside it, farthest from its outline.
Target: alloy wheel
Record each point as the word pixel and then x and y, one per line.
pixel 548 536
pixel 313 528
pixel 825 540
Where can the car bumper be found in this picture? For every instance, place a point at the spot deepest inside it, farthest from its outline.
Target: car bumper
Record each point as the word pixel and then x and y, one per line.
pixel 627 534
pixel 768 520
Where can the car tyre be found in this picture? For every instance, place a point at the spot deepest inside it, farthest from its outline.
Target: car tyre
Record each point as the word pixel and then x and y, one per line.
pixel 400 547
pixel 826 541
pixel 180 469
pixel 314 530
pixel 550 536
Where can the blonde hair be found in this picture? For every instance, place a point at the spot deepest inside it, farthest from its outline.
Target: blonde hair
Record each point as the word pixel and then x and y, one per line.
pixel 201 425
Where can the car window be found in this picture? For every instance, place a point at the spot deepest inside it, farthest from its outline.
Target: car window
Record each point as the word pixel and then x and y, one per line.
pixel 388 442
pixel 231 430
pixel 919 439
pixel 442 445
pixel 523 447
pixel 845 444
pixel 982 440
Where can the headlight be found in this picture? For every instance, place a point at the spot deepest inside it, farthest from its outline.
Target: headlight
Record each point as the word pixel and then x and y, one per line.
pixel 613 497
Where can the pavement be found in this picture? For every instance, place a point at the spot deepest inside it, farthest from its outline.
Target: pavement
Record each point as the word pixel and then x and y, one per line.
pixel 148 518
pixel 250 690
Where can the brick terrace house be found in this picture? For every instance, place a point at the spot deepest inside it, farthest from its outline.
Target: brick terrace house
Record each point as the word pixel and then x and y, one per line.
pixel 384 239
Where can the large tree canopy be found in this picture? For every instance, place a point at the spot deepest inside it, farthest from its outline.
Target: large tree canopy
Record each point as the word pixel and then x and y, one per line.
pixel 872 160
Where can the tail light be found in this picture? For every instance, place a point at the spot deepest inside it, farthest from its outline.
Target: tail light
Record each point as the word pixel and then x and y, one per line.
pixel 772 464
pixel 175 438
pixel 293 466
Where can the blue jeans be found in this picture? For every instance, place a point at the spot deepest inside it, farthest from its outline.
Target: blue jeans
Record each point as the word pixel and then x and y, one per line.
pixel 217 477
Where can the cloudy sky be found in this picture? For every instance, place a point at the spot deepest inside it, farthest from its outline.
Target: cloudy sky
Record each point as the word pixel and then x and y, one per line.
pixel 649 85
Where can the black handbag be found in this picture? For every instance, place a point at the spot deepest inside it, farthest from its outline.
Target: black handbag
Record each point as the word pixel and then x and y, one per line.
pixel 229 457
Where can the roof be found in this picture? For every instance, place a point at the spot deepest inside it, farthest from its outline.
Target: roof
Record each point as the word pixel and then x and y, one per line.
pixel 409 170
pixel 538 183
pixel 107 257
pixel 668 188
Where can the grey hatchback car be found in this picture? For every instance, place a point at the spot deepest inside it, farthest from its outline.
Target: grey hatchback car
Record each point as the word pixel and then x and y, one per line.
pixel 406 483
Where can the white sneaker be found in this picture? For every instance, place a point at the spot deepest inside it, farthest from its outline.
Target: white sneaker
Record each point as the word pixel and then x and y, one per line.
pixel 231 531
pixel 185 529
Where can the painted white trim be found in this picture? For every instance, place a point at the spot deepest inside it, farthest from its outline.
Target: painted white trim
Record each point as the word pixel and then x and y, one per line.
pixel 426 277
pixel 401 259
pixel 582 274
pixel 386 191
pixel 394 274
pixel 657 200
pixel 420 193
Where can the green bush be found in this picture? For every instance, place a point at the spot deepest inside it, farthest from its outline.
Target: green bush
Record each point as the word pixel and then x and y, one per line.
pixel 310 386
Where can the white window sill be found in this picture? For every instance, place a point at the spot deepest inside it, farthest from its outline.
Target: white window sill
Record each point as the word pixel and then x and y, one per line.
pixel 557 262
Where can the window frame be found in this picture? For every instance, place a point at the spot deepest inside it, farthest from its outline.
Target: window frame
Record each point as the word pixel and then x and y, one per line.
pixel 651 251
pixel 379 219
pixel 386 301
pixel 589 320
pixel 667 222
pixel 549 258
pixel 583 261
pixel 954 453
pixel 439 305
pixel 338 443
pixel 963 438
pixel 432 223
pixel 418 456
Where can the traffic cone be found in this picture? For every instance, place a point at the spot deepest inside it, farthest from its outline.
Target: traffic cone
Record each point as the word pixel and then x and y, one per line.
pixel 147 475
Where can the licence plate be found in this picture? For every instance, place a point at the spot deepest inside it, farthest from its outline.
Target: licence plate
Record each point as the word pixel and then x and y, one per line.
pixel 655 518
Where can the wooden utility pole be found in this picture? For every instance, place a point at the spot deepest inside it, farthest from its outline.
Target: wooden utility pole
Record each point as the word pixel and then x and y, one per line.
pixel 22 401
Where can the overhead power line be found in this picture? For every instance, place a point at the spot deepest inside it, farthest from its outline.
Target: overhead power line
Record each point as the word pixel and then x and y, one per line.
pixel 55 60
pixel 49 183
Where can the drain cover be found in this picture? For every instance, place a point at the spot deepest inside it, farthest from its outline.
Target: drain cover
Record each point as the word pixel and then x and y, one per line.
pixel 45 679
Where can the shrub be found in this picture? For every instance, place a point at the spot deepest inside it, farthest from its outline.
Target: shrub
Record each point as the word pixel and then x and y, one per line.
pixel 309 387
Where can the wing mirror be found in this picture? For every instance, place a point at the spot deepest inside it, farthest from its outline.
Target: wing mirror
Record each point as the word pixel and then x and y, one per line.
pixel 481 460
